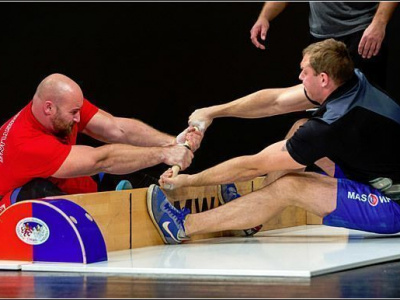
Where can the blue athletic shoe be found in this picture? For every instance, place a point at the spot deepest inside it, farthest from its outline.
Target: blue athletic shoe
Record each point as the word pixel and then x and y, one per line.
pixel 124 185
pixel 227 193
pixel 168 220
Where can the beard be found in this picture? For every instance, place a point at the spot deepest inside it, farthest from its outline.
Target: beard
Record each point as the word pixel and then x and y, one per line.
pixel 62 128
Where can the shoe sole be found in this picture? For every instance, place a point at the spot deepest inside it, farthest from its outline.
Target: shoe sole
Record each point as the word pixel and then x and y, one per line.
pixel 150 211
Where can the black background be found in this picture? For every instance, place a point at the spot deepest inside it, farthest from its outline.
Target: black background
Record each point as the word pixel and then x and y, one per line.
pixel 159 61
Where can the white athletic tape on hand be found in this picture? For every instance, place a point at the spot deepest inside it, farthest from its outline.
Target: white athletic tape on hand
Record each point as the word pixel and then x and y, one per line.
pixel 199 125
pixel 168 186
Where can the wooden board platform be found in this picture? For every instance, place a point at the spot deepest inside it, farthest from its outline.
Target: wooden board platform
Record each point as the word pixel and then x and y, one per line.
pixel 124 221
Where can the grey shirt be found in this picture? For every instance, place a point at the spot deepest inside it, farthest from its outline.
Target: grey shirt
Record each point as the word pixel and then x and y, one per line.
pixel 336 19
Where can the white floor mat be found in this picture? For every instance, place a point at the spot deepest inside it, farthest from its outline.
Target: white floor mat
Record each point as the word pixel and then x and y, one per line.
pixel 301 251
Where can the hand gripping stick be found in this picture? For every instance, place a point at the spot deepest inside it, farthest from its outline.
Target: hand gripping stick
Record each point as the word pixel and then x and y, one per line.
pixel 177 168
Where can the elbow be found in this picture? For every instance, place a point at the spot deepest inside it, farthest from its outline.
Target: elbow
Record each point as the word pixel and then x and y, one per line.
pixel 103 161
pixel 278 106
pixel 272 102
pixel 104 166
pixel 119 136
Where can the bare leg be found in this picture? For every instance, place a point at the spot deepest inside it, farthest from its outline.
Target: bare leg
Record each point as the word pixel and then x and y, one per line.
pixel 327 166
pixel 311 191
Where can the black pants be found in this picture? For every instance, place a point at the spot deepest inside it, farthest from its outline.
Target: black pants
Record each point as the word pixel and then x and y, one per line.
pixel 36 188
pixel 374 68
pixel 41 188
pixel 108 182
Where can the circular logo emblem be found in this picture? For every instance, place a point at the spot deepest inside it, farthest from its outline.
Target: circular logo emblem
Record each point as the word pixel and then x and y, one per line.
pixel 373 200
pixel 32 231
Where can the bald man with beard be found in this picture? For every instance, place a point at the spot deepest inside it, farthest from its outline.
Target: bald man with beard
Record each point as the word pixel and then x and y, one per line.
pixel 39 156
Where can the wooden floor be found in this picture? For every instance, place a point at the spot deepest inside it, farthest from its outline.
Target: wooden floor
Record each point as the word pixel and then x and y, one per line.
pixel 376 281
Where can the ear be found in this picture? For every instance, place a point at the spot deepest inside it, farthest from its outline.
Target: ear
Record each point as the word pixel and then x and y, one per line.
pixel 324 79
pixel 48 108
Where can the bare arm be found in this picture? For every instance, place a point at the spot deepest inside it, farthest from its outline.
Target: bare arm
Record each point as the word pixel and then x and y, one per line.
pixel 107 128
pixel 260 104
pixel 273 158
pixel 269 11
pixel 372 38
pixel 120 159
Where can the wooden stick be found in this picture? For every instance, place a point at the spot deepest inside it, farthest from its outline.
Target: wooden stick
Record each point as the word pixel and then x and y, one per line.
pixel 177 168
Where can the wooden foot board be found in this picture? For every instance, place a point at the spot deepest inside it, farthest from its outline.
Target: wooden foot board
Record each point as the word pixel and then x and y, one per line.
pixel 125 224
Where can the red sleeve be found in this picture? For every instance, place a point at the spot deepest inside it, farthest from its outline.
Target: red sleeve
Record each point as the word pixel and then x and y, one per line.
pixel 88 110
pixel 40 157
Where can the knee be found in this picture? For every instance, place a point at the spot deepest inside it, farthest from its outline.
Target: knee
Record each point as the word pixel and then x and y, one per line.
pixel 296 126
pixel 290 179
pixel 288 186
pixel 299 123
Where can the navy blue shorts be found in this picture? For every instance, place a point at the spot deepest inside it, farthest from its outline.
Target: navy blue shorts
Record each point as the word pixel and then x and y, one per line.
pixel 362 207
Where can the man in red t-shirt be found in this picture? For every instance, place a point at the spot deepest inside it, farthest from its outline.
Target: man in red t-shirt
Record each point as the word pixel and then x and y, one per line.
pixel 38 145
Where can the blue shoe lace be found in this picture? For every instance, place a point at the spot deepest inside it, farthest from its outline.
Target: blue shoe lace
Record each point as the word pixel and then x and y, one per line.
pixel 178 216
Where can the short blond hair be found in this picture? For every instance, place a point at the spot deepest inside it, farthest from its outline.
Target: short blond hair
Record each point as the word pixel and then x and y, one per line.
pixel 331 57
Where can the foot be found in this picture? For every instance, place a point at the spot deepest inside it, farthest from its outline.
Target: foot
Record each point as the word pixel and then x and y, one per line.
pixel 227 193
pixel 168 220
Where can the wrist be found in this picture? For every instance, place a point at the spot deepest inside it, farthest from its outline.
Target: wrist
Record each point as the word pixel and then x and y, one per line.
pixel 189 180
pixel 379 22
pixel 263 19
pixel 163 154
pixel 214 112
pixel 170 141
pixel 380 19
